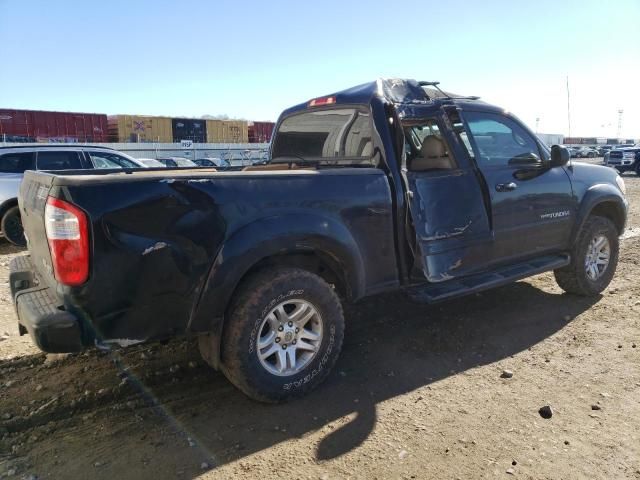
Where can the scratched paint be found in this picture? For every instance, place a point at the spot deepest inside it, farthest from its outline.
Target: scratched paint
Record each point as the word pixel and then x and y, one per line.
pixel 153 248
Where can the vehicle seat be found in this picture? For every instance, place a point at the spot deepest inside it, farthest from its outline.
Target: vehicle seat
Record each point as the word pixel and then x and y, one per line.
pixel 367 150
pixel 433 156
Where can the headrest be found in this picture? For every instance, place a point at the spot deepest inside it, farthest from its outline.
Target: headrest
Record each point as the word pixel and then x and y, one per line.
pixel 433 147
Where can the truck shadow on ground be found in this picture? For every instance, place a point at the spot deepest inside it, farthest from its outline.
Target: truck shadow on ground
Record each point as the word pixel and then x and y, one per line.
pixel 392 347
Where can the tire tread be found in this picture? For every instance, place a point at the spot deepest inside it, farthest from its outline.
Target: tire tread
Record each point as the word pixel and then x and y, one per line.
pixel 572 278
pixel 250 293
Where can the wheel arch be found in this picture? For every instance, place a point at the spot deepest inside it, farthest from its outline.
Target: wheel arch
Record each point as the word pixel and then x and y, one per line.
pixel 605 201
pixel 319 244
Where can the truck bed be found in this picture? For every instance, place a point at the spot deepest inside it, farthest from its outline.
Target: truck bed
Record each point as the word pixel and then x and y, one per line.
pixel 165 243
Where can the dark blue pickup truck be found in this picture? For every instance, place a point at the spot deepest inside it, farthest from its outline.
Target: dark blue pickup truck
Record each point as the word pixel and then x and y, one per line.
pixel 389 185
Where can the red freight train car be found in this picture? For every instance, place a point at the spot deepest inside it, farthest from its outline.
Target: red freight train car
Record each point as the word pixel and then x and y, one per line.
pixel 41 126
pixel 260 132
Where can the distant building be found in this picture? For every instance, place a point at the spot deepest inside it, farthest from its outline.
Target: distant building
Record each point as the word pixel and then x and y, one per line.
pixel 551 138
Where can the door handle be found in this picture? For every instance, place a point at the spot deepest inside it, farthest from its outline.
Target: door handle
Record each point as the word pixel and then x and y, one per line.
pixel 506 187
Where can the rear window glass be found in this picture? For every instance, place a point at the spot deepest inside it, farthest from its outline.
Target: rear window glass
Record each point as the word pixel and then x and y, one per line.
pixel 332 135
pixel 59 161
pixel 16 162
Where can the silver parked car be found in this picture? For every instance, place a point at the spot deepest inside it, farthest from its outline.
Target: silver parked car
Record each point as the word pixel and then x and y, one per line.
pixel 179 162
pixel 15 160
pixel 150 162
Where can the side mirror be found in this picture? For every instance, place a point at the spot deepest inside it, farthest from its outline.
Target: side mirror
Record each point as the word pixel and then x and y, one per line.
pixel 559 156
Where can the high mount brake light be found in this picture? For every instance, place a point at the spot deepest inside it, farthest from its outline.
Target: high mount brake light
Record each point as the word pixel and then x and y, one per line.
pixel 316 102
pixel 68 236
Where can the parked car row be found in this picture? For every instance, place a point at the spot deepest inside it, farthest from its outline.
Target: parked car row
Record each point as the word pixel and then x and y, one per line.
pixel 583 151
pixel 587 151
pixel 14 161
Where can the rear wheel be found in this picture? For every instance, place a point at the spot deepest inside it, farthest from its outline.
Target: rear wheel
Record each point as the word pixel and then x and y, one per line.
pixel 638 168
pixel 283 334
pixel 594 258
pixel 12 227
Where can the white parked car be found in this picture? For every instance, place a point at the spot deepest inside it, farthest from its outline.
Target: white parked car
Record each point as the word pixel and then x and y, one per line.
pixel 15 160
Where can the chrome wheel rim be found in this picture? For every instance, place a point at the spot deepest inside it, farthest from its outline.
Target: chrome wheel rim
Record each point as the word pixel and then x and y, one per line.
pixel 289 337
pixel 598 256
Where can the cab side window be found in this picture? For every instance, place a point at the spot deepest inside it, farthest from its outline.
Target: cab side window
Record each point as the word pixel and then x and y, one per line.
pixel 60 160
pixel 500 141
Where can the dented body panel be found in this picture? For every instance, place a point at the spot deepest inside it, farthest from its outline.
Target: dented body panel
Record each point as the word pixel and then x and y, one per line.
pixel 167 255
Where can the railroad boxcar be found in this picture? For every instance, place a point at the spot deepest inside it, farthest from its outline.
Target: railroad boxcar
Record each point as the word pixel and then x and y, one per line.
pixel 260 132
pixel 227 131
pixel 140 129
pixel 46 126
pixel 189 129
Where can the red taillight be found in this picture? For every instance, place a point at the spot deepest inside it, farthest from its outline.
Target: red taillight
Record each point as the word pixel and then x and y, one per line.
pixel 316 102
pixel 68 236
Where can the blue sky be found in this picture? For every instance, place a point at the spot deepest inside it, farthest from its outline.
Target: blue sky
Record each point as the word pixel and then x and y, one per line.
pixel 251 59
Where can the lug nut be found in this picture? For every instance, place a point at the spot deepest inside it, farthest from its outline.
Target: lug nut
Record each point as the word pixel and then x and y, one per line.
pixel 297 330
pixel 294 342
pixel 290 324
pixel 277 339
pixel 280 328
pixel 284 347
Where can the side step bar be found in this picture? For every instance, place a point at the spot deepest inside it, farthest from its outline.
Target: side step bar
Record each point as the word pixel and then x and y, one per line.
pixel 437 292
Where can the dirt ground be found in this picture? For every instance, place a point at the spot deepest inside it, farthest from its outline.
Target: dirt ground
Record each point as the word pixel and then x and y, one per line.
pixel 417 393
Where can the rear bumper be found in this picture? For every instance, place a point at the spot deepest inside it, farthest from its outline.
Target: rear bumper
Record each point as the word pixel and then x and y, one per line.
pixel 40 313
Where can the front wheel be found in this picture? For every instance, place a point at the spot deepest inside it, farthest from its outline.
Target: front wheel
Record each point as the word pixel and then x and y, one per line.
pixel 638 168
pixel 283 334
pixel 12 227
pixel 594 258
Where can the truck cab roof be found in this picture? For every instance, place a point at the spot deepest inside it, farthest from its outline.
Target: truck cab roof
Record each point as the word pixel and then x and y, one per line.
pixel 412 98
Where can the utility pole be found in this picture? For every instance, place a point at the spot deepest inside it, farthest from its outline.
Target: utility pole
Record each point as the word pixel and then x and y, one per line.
pixel 568 107
pixel 620 112
pixel 537 124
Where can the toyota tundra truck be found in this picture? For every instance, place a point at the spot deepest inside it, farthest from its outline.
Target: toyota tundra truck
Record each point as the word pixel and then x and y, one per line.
pixel 390 185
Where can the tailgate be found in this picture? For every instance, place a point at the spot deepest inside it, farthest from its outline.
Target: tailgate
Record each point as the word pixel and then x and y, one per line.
pixel 32 199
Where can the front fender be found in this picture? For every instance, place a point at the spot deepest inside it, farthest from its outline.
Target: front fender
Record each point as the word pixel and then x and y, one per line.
pixel 594 196
pixel 266 237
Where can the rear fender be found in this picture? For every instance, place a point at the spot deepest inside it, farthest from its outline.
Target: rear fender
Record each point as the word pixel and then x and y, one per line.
pixel 268 237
